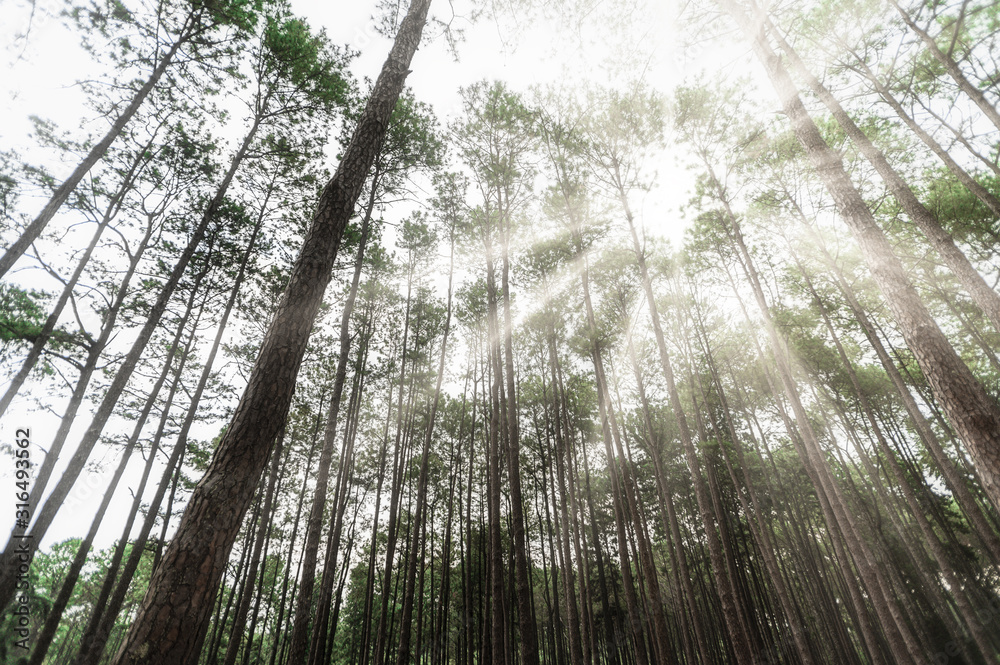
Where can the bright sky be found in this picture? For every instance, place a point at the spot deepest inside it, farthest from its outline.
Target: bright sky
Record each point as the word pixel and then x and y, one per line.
pixel 524 54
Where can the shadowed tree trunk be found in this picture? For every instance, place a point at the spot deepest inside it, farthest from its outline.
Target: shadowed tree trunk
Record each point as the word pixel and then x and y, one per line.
pixel 170 625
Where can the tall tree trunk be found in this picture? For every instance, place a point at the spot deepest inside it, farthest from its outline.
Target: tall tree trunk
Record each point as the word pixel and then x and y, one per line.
pixel 263 530
pixel 871 641
pixel 670 526
pixel 403 654
pixel 951 579
pixel 170 626
pixel 381 635
pixel 314 525
pixel 953 478
pixel 837 515
pixel 439 650
pixel 660 638
pixel 279 622
pixel 738 637
pixel 576 643
pixel 320 641
pixel 111 573
pixel 102 620
pixel 607 423
pixel 972 412
pixel 73 574
pixel 372 546
pixel 755 517
pixel 499 654
pixel 86 372
pixel 525 603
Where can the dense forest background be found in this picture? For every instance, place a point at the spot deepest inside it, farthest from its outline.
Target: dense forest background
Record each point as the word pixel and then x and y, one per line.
pixel 691 356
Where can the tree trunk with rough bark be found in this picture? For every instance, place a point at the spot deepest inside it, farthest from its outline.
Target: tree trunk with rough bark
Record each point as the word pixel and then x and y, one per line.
pixel 171 623
pixel 972 412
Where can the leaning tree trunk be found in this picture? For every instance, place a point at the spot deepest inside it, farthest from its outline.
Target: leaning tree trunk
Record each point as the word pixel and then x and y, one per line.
pixel 982 293
pixel 116 583
pixel 952 476
pixel 901 640
pixel 945 568
pixel 76 399
pixel 55 614
pixel 972 412
pixel 171 623
pixel 20 246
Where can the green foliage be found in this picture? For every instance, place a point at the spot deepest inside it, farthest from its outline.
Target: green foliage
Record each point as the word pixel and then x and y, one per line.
pixel 9 187
pixel 417 236
pixel 413 142
pixel 622 133
pixel 22 314
pixel 45 579
pixel 960 212
pixel 308 60
pixel 241 14
pixel 600 150
pixel 494 140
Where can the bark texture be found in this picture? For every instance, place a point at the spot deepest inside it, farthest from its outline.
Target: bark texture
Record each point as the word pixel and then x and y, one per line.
pixel 172 621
